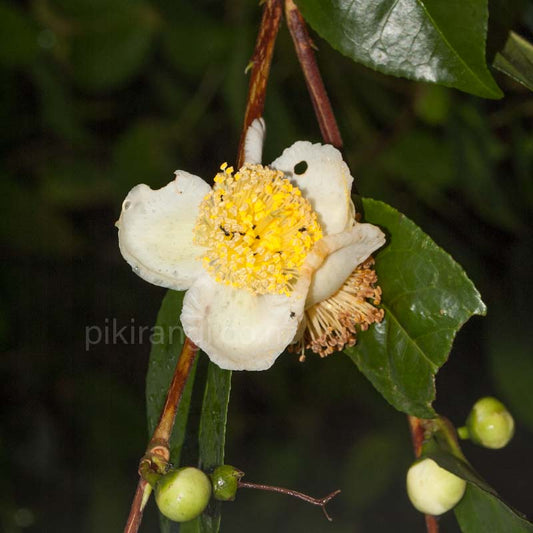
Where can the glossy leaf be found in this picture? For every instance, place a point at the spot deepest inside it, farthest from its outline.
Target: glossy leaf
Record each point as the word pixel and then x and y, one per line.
pixel 167 341
pixel 212 432
pixel 212 438
pixel 460 468
pixel 427 297
pixel 481 508
pixel 441 42
pixel 481 511
pixel 516 60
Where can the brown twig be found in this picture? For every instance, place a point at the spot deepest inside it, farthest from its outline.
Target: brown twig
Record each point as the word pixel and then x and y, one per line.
pixel 165 424
pixel 157 453
pixel 304 50
pixel 322 502
pixel 260 67
pixel 418 434
pixel 136 510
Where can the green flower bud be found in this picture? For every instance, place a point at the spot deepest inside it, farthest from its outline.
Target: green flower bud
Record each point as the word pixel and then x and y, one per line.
pixel 433 490
pixel 225 481
pixel 489 423
pixel 183 494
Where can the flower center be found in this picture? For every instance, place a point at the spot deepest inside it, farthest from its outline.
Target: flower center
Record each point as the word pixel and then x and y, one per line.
pixel 257 229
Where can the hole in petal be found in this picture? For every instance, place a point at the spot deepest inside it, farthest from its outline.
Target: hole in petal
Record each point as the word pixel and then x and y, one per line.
pixel 300 168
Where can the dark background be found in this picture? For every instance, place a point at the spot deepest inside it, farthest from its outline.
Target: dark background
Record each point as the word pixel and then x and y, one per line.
pixel 97 96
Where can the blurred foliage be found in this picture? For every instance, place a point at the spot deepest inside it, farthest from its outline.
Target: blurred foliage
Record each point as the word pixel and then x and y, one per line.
pixel 98 96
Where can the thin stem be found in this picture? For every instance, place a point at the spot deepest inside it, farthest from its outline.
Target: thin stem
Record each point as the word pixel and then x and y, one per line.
pixel 164 427
pixel 260 67
pixel 136 511
pixel 157 454
pixel 289 492
pixel 304 49
pixel 432 526
pixel 418 433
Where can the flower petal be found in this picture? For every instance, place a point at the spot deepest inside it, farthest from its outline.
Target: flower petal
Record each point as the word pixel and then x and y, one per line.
pixel 155 231
pixel 237 329
pixel 324 179
pixel 356 246
pixel 253 142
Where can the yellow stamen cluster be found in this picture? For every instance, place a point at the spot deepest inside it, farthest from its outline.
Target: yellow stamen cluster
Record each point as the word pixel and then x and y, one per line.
pixel 257 229
pixel 332 324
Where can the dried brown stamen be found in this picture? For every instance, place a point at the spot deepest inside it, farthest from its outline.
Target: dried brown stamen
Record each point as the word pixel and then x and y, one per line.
pixel 332 323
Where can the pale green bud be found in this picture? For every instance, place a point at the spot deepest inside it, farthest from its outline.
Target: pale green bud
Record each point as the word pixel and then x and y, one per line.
pixel 183 494
pixel 225 480
pixel 490 424
pixel 433 490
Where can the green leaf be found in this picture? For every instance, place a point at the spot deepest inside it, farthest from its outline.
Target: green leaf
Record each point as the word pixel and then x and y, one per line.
pixel 431 40
pixel 212 434
pixel 212 438
pixel 481 511
pixel 481 508
pixel 427 297
pixel 516 60
pixel 460 468
pixel 167 340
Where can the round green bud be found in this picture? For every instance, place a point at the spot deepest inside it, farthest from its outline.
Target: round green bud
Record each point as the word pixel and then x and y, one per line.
pixel 225 480
pixel 433 490
pixel 183 494
pixel 490 424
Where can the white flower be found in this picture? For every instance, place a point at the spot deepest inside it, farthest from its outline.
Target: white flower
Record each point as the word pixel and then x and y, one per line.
pixel 254 252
